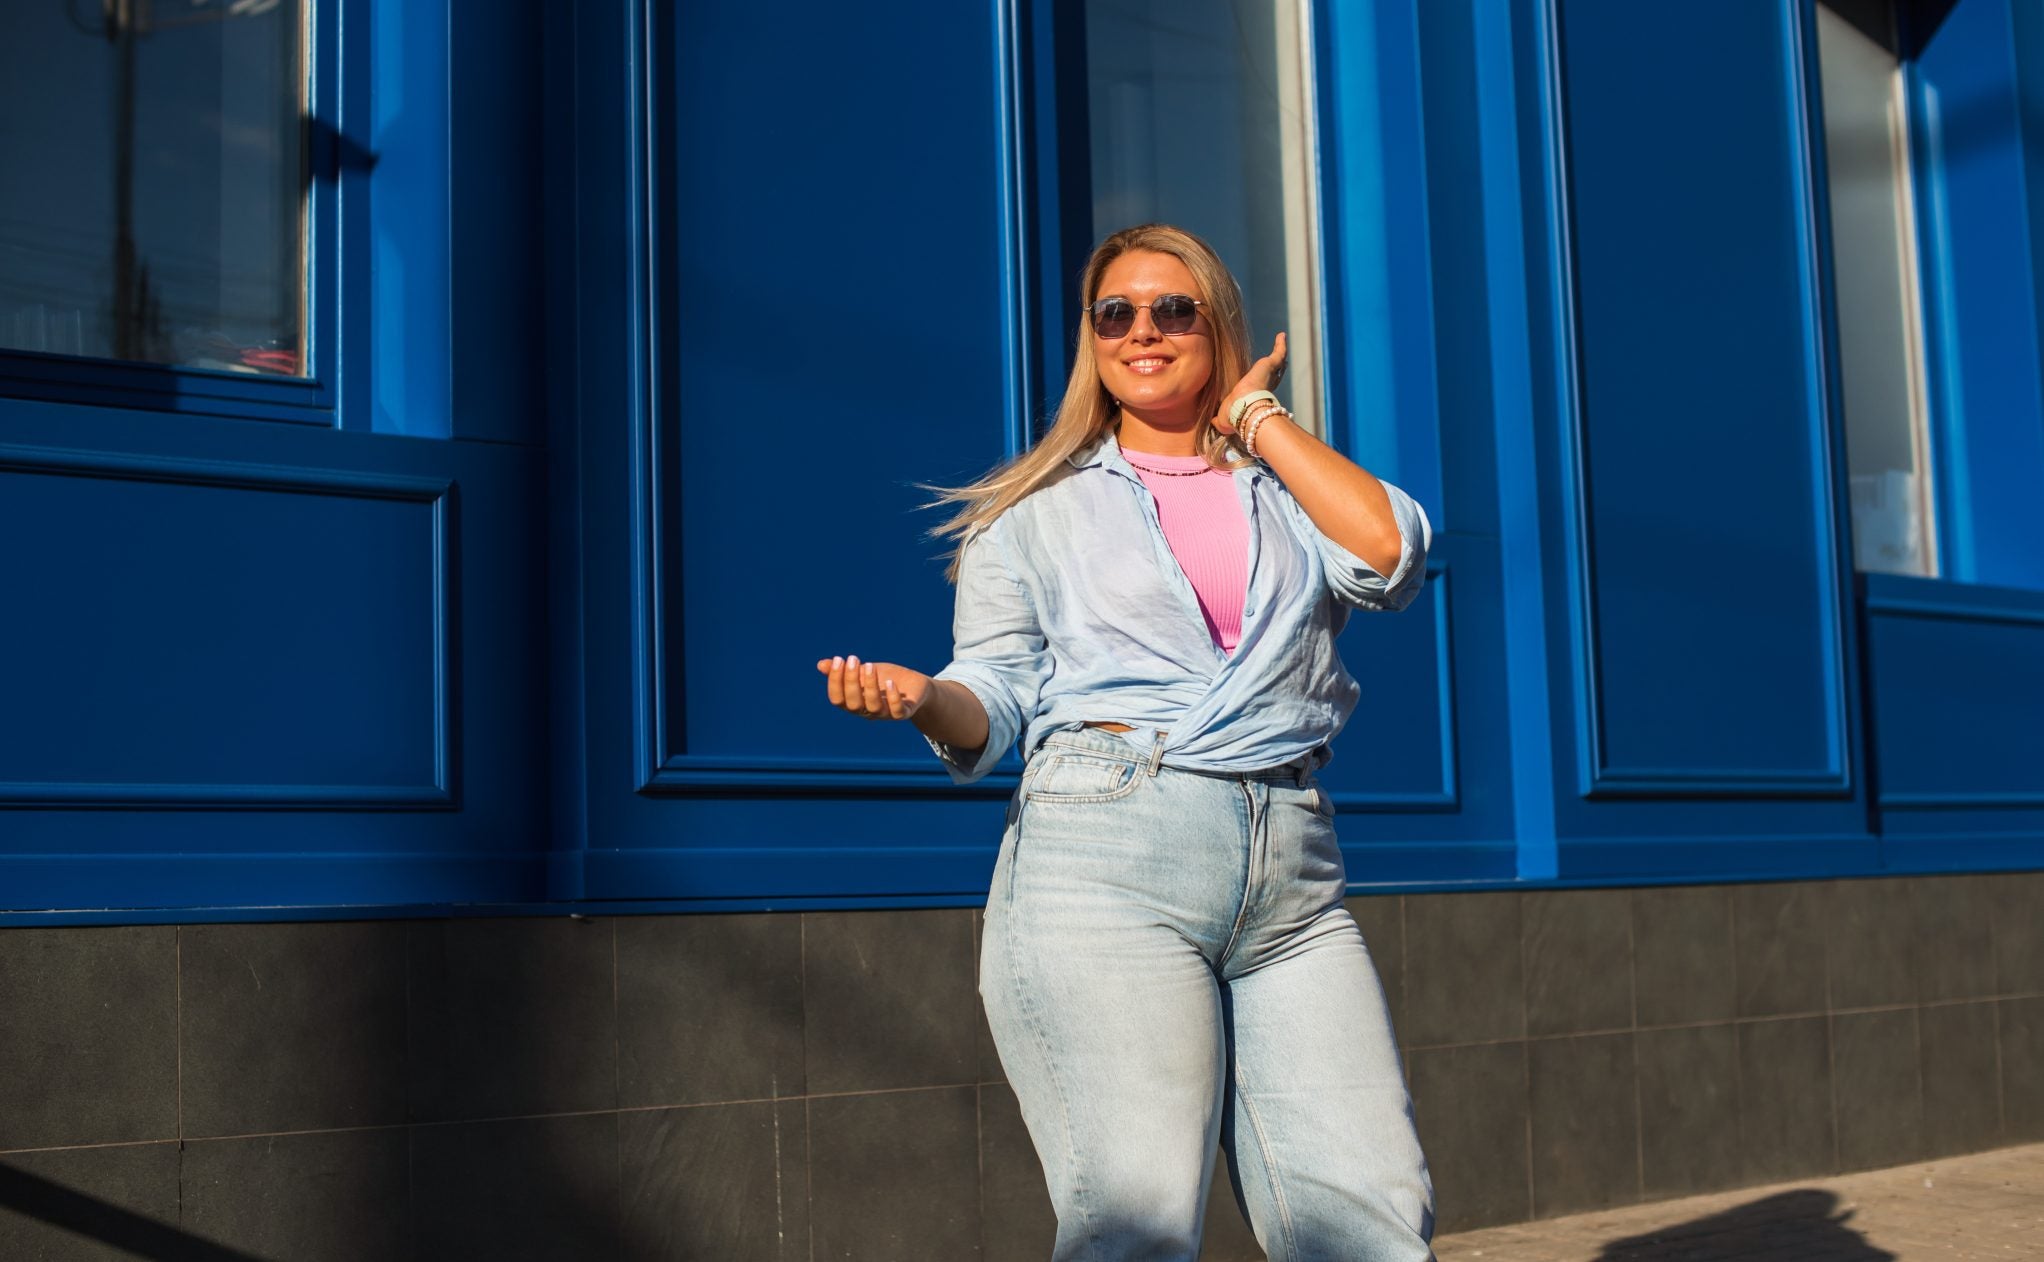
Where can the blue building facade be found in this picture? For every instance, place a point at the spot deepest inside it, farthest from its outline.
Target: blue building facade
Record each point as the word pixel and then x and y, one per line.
pixel 415 592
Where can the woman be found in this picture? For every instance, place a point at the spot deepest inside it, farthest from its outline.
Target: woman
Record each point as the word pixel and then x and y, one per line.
pixel 1149 600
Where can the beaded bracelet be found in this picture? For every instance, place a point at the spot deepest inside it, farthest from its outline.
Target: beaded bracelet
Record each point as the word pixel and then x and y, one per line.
pixel 1255 419
pixel 1245 433
pixel 1255 424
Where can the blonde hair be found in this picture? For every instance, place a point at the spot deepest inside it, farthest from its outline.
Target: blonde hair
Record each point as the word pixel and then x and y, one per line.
pixel 1087 409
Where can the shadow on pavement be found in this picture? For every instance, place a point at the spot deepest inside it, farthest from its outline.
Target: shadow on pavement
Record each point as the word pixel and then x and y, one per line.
pixel 1806 1223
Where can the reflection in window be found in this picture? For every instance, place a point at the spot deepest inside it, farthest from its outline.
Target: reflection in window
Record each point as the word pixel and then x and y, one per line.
pixel 1201 116
pixel 153 205
pixel 1874 267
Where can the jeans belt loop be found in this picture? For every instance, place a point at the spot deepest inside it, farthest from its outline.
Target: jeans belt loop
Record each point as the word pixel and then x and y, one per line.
pixel 1156 753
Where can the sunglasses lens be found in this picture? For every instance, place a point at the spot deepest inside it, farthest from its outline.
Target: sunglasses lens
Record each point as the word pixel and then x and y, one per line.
pixel 1174 314
pixel 1113 317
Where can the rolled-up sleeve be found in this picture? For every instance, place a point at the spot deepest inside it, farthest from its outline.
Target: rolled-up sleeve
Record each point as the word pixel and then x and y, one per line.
pixel 998 652
pixel 1357 583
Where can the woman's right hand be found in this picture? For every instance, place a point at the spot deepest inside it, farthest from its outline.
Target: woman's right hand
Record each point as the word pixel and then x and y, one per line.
pixel 874 690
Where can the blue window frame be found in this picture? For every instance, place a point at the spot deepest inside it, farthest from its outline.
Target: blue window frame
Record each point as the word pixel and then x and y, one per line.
pixel 332 166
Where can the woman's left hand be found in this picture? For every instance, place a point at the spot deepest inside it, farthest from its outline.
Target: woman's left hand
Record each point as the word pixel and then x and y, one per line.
pixel 1262 375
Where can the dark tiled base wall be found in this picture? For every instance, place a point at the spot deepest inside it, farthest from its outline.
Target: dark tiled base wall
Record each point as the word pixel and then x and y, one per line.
pixel 821 1086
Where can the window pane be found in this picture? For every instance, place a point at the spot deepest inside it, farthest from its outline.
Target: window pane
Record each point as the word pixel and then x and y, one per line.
pixel 1874 268
pixel 1201 116
pixel 153 204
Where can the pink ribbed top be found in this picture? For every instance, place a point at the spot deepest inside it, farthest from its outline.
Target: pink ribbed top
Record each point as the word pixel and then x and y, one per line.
pixel 1203 523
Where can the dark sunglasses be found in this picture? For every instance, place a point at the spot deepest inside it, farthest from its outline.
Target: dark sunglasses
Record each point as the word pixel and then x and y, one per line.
pixel 1172 313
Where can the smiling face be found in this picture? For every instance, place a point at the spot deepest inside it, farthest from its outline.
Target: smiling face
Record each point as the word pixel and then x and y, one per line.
pixel 1156 377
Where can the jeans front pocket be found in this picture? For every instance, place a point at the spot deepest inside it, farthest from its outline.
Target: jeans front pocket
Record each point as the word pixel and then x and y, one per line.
pixel 1073 775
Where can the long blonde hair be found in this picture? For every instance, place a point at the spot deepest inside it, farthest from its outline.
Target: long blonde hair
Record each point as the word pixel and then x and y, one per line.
pixel 1087 409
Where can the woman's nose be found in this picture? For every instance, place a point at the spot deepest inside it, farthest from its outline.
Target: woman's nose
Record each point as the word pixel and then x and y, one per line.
pixel 1144 329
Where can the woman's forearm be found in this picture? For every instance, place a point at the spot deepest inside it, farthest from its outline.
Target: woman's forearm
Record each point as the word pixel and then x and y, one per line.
pixel 1344 499
pixel 951 714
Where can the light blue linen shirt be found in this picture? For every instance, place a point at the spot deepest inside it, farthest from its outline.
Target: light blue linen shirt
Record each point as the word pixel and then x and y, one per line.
pixel 1071 606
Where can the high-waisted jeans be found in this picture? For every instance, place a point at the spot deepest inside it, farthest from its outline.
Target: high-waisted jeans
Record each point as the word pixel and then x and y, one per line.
pixel 1167 963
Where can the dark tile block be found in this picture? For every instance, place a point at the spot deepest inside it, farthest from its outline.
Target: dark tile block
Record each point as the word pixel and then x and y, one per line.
pixel 1225 1234
pixel 1689 1110
pixel 2018 932
pixel 1381 917
pixel 1955 936
pixel 1470 1103
pixel 107 1204
pixel 89 1054
pixel 1682 955
pixel 511 1017
pixel 1877 1088
pixel 889 999
pixel 1870 938
pixel 1585 1123
pixel 1778 948
pixel 1785 1122
pixel 895 1174
pixel 1961 1091
pixel 2022 1070
pixel 1578 960
pixel 709 1008
pixel 340 1195
pixel 1017 1221
pixel 1462 971
pixel 725 1181
pixel 292 1027
pixel 543 1188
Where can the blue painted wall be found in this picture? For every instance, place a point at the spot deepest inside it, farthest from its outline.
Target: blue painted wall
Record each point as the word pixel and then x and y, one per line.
pixel 622 396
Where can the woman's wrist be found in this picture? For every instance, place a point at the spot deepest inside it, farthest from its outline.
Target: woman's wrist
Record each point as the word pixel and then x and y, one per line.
pixel 1253 425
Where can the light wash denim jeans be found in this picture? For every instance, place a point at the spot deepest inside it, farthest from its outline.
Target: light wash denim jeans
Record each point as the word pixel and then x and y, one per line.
pixel 1167 962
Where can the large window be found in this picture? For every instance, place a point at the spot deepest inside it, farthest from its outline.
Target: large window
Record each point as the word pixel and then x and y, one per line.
pixel 1200 115
pixel 164 220
pixel 1873 241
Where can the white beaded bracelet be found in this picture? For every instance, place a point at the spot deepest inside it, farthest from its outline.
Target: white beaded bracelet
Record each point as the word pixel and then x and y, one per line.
pixel 1255 423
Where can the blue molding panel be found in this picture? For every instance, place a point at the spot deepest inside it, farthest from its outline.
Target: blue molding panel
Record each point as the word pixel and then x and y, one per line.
pixel 1708 635
pixel 750 429
pixel 1957 694
pixel 1402 734
pixel 267 666
pixel 214 634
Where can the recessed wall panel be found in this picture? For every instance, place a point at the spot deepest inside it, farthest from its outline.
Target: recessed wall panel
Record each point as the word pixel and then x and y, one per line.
pixel 1709 650
pixel 207 635
pixel 1956 677
pixel 833 323
pixel 1397 751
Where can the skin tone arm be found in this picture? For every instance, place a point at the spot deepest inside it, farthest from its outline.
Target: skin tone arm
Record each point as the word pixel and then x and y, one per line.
pixel 1344 499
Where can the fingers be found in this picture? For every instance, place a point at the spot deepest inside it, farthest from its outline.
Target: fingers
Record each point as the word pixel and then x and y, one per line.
pixel 855 690
pixel 855 686
pixel 874 697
